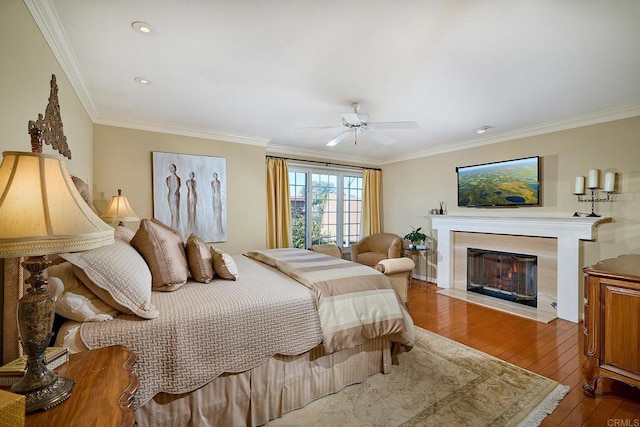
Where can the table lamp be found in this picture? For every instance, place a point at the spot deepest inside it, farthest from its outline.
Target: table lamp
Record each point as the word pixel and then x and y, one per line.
pixel 119 210
pixel 42 213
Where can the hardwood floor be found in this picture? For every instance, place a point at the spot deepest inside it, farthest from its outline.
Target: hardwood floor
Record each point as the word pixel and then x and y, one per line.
pixel 554 350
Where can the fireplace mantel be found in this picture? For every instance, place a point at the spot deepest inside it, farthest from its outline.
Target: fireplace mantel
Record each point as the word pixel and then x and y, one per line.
pixel 568 232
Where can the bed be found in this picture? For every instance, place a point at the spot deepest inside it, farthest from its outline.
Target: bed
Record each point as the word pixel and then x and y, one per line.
pixel 275 331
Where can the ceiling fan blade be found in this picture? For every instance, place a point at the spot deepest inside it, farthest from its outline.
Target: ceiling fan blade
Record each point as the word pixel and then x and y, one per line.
pixel 364 118
pixel 394 125
pixel 380 137
pixel 339 138
pixel 351 118
pixel 318 127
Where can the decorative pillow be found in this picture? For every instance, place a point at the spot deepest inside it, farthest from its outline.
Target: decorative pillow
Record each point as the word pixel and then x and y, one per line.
pixel 83 189
pixel 75 301
pixel 395 265
pixel 163 250
pixel 123 233
pixel 224 265
pixel 199 259
pixel 118 275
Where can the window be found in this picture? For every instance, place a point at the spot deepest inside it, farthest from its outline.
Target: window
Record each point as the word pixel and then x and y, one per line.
pixel 326 206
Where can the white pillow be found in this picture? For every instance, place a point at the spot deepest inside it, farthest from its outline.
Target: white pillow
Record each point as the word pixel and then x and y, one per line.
pixel 75 301
pixel 123 233
pixel 117 274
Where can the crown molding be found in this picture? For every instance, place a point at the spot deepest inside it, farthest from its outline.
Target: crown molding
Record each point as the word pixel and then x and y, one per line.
pixel 48 22
pixel 173 129
pixel 555 126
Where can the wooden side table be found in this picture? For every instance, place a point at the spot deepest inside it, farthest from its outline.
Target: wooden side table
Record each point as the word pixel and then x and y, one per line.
pixel 411 253
pixel 103 394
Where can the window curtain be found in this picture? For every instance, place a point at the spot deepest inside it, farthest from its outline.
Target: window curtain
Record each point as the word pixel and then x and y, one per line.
pixel 370 201
pixel 278 204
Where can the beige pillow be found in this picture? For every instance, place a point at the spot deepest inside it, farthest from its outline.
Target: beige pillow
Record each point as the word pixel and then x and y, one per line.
pixel 224 265
pixel 163 250
pixel 75 301
pixel 83 189
pixel 199 259
pixel 118 275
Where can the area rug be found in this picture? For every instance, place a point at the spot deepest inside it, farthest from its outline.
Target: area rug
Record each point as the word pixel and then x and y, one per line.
pixel 438 383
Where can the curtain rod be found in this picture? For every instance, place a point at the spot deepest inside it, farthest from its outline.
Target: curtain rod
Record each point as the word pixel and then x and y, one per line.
pixel 322 163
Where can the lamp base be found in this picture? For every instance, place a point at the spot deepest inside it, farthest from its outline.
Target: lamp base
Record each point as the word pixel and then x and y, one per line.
pixel 43 388
pixel 47 397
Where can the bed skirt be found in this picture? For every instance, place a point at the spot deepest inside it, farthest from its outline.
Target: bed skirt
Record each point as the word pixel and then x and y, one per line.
pixel 279 385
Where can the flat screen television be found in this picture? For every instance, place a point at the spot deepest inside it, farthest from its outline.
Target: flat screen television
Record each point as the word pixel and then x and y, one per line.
pixel 499 184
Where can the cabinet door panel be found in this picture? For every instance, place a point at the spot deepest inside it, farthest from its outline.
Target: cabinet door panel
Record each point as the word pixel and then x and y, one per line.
pixel 621 338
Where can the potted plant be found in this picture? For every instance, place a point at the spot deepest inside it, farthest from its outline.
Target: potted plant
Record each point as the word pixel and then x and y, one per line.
pixel 415 237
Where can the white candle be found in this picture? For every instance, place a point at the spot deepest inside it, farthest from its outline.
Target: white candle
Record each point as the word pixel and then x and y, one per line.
pixel 609 182
pixel 593 179
pixel 579 185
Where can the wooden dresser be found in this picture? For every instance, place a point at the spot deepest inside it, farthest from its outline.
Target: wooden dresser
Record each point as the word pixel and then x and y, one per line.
pixel 103 394
pixel 612 322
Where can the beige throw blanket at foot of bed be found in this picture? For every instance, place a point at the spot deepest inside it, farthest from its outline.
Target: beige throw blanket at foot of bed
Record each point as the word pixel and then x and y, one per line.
pixel 356 303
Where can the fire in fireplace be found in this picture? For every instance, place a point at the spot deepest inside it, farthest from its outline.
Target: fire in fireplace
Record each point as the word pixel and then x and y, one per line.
pixel 505 275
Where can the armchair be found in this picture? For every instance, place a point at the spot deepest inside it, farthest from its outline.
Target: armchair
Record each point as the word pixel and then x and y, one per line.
pixel 376 247
pixel 398 270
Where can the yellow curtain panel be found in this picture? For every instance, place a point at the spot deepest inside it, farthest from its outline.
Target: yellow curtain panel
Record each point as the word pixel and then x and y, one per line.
pixel 278 204
pixel 371 201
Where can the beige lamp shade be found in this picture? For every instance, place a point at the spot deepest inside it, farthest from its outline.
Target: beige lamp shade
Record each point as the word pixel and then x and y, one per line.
pixel 41 211
pixel 119 210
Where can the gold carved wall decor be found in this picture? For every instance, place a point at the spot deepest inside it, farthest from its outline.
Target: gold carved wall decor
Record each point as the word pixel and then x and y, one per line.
pixel 48 129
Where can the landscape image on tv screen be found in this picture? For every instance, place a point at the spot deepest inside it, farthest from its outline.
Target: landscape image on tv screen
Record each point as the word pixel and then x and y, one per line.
pixel 508 183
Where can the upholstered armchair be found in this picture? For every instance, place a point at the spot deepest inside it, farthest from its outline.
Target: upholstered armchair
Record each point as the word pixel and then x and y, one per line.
pixel 398 270
pixel 376 247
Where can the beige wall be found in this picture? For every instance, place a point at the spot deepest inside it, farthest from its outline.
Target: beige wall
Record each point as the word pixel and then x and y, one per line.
pixel 414 187
pixel 27 66
pixel 25 72
pixel 122 159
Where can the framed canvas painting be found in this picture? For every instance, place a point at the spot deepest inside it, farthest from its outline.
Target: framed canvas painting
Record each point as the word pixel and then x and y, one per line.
pixel 190 195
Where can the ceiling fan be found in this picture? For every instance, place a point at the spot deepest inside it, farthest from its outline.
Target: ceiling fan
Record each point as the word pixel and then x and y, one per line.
pixel 359 124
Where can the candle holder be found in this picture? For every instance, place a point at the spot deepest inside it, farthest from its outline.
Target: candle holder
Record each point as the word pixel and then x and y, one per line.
pixel 595 198
pixel 593 184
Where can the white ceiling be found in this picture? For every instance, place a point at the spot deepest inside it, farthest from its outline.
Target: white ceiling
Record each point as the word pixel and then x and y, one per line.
pixel 253 71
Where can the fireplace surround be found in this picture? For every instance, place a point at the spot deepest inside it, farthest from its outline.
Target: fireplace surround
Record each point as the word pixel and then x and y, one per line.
pixel 560 293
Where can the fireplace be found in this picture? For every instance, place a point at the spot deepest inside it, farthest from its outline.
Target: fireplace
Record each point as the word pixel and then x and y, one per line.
pixel 555 241
pixel 505 275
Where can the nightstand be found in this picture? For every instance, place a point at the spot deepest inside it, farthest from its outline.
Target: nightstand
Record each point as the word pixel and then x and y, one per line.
pixel 103 394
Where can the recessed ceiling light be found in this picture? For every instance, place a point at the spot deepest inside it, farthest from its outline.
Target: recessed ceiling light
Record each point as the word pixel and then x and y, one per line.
pixel 142 81
pixel 142 27
pixel 483 129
